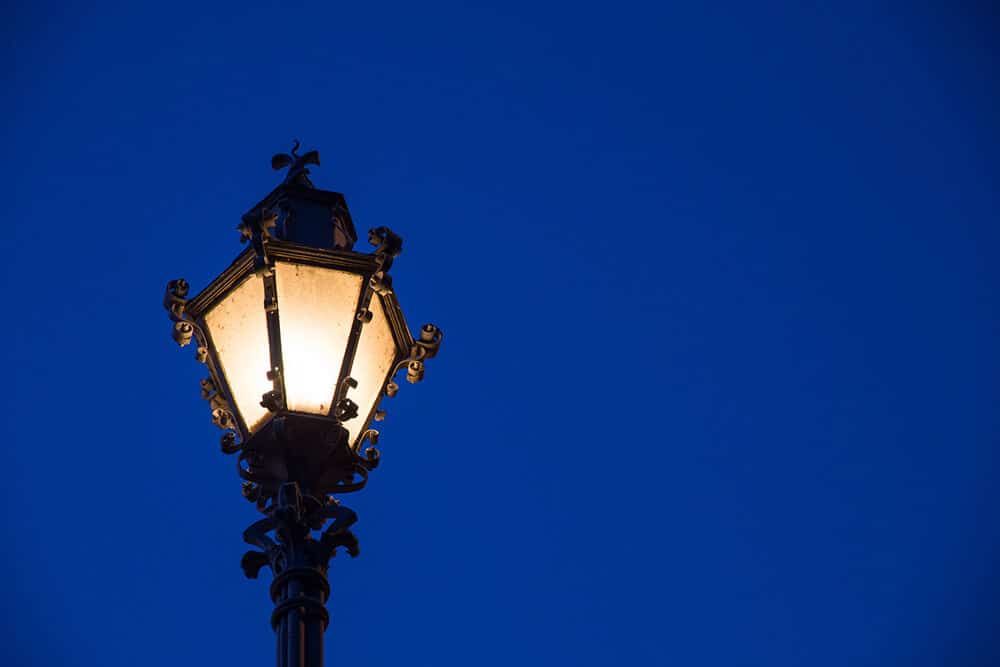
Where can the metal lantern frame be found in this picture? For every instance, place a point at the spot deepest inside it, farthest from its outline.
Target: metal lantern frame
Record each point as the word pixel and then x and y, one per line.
pixel 310 449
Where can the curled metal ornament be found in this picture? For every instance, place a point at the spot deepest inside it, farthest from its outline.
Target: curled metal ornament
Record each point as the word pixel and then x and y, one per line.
pixel 268 472
pixel 381 283
pixel 425 347
pixel 175 298
pixel 291 518
pixel 185 330
pixel 230 442
pixel 210 393
pixel 251 491
pixel 221 416
pixel 429 342
pixel 175 301
pixel 264 471
pixel 371 437
pixel 388 245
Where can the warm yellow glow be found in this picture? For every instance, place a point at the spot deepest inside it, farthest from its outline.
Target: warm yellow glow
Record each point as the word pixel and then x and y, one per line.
pixel 376 352
pixel 316 308
pixel 238 328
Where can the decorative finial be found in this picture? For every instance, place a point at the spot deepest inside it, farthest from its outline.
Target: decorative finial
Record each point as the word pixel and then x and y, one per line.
pixel 297 172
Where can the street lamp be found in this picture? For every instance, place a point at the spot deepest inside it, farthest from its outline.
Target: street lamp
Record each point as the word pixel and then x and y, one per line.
pixel 302 337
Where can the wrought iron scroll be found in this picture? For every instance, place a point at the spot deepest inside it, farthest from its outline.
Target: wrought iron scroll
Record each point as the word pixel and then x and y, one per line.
pixel 388 246
pixel 291 518
pixel 185 330
pixel 175 301
pixel 263 474
pixel 423 348
pixel 295 555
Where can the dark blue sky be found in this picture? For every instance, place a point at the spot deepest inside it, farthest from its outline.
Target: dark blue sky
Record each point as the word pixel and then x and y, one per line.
pixel 718 285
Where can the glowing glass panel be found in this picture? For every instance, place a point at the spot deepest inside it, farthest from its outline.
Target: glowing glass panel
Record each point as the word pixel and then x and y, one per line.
pixel 376 352
pixel 316 308
pixel 238 328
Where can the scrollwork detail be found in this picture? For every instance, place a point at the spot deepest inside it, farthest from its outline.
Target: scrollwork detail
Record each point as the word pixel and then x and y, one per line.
pixel 223 418
pixel 370 454
pixel 256 227
pixel 210 393
pixel 175 301
pixel 292 518
pixel 388 246
pixel 185 330
pixel 423 348
pixel 345 408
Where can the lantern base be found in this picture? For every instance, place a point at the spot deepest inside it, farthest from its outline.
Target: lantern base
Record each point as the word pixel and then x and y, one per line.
pixel 308 450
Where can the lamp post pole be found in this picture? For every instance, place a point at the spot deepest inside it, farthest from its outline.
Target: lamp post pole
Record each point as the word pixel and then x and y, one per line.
pixel 302 338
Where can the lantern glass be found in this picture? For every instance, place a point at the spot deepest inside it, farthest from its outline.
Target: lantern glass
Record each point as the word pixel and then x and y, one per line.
pixel 375 355
pixel 316 308
pixel 238 328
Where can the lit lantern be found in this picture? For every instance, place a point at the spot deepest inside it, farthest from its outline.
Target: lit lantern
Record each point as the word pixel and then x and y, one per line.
pixel 302 338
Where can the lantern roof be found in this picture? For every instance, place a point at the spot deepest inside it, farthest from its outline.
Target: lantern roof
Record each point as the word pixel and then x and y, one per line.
pixel 299 212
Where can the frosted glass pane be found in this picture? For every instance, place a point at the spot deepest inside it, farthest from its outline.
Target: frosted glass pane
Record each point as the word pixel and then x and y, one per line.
pixel 238 328
pixel 376 352
pixel 316 308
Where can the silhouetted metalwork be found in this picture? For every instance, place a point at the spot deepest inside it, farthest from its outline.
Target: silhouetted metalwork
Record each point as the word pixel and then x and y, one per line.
pixel 292 463
pixel 299 564
pixel 297 172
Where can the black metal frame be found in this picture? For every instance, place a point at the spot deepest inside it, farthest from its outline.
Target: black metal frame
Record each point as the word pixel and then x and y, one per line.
pixel 247 265
pixel 293 463
pixel 260 461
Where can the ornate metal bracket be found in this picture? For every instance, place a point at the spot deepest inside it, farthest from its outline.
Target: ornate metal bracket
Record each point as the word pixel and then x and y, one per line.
pixel 221 416
pixel 292 518
pixel 388 246
pixel 298 560
pixel 175 301
pixel 344 408
pixel 425 347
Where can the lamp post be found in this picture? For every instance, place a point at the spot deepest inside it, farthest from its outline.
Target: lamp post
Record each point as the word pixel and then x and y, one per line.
pixel 302 337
